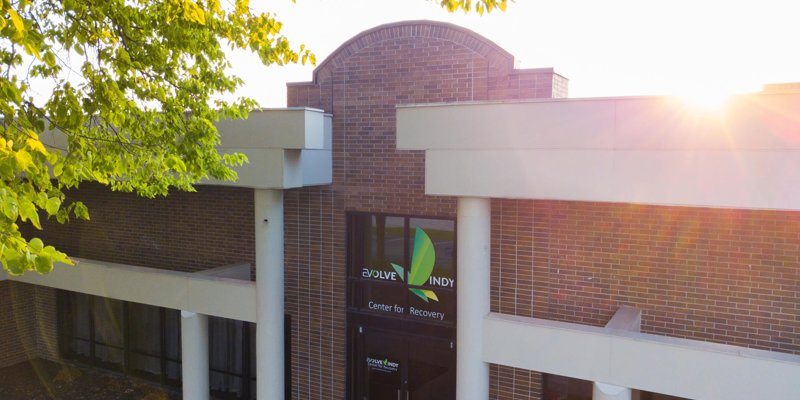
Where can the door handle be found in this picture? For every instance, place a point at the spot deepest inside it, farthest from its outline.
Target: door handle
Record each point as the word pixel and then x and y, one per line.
pixel 398 395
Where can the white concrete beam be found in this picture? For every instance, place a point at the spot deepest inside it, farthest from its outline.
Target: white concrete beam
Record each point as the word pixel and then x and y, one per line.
pixel 647 150
pixel 220 297
pixel 660 364
pixel 757 179
pixel 747 122
pixel 285 128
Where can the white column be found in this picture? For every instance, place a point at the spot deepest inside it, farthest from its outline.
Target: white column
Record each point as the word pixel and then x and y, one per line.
pixel 474 232
pixel 194 349
pixel 604 391
pixel 626 318
pixel 269 285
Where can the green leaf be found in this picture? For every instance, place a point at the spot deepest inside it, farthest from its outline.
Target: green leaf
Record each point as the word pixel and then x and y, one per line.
pixel 430 294
pixel 23 159
pixel 401 272
pixel 36 245
pixel 16 20
pixel 43 264
pixel 420 293
pixel 422 260
pixel 15 266
pixel 52 205
pixel 8 206
pixel 27 211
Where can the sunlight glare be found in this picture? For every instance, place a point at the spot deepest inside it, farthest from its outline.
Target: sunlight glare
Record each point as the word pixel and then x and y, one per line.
pixel 707 100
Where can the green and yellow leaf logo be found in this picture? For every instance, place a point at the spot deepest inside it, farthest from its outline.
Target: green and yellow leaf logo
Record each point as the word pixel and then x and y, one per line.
pixel 422 261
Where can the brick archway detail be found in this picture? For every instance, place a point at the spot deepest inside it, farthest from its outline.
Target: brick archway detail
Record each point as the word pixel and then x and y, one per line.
pixel 498 58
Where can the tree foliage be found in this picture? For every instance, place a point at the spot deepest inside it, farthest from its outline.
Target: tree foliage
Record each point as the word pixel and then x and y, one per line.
pixel 133 92
pixel 132 103
pixel 479 6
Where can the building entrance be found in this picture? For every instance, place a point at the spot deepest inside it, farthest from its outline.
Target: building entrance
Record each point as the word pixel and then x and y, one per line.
pixel 401 307
pixel 402 366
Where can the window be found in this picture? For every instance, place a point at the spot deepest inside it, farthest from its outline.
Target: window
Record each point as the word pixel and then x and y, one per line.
pixel 391 275
pixel 144 341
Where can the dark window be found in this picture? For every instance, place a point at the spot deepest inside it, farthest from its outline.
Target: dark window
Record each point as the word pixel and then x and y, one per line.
pixel 381 277
pixel 558 387
pixel 144 341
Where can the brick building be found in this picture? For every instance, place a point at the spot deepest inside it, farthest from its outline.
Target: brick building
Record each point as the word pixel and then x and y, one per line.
pixel 425 221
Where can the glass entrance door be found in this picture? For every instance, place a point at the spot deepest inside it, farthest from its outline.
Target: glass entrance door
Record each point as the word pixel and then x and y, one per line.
pixel 403 367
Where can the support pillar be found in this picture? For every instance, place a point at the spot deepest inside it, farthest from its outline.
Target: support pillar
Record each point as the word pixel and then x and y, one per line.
pixel 269 287
pixel 604 391
pixel 625 319
pixel 194 349
pixel 473 293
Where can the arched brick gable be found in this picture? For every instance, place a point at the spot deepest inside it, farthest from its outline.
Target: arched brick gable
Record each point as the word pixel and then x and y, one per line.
pixel 498 59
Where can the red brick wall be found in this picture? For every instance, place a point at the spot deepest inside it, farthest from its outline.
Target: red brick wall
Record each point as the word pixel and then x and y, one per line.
pixel 184 231
pixel 719 275
pixel 360 85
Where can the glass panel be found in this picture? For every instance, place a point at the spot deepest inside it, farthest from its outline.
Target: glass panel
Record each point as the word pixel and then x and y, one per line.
pixel 108 321
pixel 145 330
pixel 380 245
pixel 252 348
pixel 384 299
pixel 441 310
pixel 225 347
pixel 431 369
pixel 558 387
pixel 79 347
pixel 148 364
pixel 109 354
pixel 173 370
pixel 225 383
pixel 382 365
pixel 172 334
pixel 442 235
pixel 80 310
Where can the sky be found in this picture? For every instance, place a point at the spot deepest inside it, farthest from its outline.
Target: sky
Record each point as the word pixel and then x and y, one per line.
pixel 604 47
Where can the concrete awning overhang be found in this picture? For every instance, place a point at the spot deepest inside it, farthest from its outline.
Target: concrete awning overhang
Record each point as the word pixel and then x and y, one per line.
pixel 286 148
pixel 219 292
pixel 647 150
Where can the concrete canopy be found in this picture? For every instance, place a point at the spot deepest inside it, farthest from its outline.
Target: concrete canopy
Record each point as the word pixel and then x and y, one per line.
pixel 647 150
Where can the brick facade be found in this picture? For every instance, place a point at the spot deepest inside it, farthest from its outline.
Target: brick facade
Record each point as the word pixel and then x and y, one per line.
pixel 186 231
pixel 727 276
pixel 360 84
pixel 718 275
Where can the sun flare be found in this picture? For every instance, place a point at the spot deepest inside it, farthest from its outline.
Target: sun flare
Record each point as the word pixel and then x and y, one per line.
pixel 708 101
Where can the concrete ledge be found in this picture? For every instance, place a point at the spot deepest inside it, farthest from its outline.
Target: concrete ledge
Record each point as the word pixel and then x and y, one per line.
pixel 756 179
pixel 646 150
pixel 626 318
pixel 678 367
pixel 209 295
pixel 240 271
pixel 286 128
pixel 746 122
pixel 286 148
